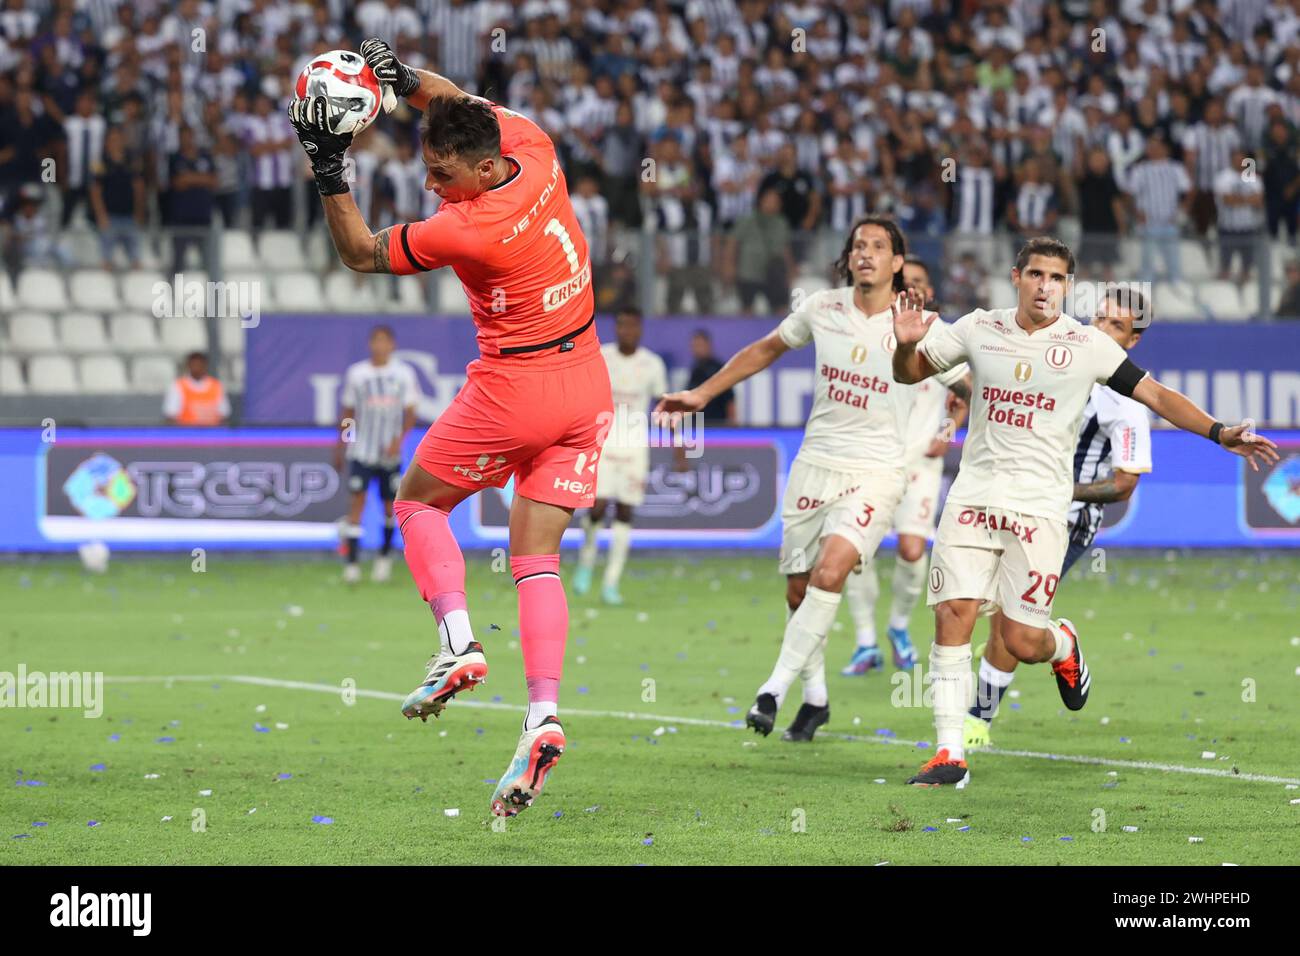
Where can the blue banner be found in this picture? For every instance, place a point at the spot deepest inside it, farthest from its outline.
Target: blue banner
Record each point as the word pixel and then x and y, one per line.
pixel 178 489
pixel 295 365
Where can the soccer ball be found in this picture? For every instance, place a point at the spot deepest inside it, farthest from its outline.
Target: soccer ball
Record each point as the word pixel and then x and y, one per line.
pixel 348 84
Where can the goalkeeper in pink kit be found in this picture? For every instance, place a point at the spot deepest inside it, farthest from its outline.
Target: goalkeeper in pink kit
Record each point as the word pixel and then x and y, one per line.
pixel 536 401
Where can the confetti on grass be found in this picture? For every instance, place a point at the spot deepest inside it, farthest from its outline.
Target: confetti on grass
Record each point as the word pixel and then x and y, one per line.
pixel 97 768
pixel 322 820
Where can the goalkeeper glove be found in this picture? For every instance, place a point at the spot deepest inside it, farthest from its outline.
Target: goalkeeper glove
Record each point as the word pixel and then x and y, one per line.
pixel 396 77
pixel 325 149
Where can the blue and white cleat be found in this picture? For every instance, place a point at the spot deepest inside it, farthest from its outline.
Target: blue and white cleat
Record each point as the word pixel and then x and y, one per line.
pixel 582 580
pixel 904 652
pixel 864 659
pixel 535 757
pixel 609 594
pixel 449 674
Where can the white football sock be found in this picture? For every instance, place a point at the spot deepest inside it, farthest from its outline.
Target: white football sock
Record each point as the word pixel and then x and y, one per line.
pixel 909 578
pixel 619 543
pixel 950 678
pixel 806 630
pixel 1064 643
pixel 454 631
pixel 538 711
pixel 587 553
pixel 814 677
pixel 861 591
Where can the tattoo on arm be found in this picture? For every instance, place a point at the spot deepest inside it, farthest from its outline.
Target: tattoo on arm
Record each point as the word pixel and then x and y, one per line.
pixel 1100 492
pixel 381 251
pixel 960 390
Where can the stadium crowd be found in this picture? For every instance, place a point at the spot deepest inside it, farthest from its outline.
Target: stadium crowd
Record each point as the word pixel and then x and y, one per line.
pixel 746 131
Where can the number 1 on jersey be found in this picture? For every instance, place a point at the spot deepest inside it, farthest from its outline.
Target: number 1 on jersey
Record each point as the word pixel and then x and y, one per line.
pixel 556 228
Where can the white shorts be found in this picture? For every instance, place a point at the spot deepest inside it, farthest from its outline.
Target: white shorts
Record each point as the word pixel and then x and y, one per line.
pixel 919 508
pixel 1006 559
pixel 622 477
pixel 819 502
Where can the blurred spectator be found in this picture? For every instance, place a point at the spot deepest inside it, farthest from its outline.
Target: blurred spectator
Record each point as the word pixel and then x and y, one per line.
pixel 27 136
pixel 761 258
pixel 193 179
pixel 117 200
pixel 1282 179
pixel 273 148
pixel 196 398
pixel 1160 190
pixel 592 211
pixel 1102 216
pixel 1207 146
pixel 1240 197
pixel 29 237
pixel 683 227
pixel 1289 306
pixel 84 133
pixel 704 364
pixel 228 164
pixel 801 202
pixel 1034 212
pixel 965 287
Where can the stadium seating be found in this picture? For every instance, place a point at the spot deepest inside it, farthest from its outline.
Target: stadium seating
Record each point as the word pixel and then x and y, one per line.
pixel 94 290
pixel 181 334
pixel 82 333
pixel 52 374
pixel 31 332
pixel 299 292
pixel 152 373
pixel 133 333
pixel 12 381
pixel 42 289
pixel 103 374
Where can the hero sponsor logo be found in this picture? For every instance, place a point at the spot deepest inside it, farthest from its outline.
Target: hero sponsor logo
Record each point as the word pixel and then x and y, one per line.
pixel 982 519
pixel 484 468
pixel 846 396
pixel 1002 415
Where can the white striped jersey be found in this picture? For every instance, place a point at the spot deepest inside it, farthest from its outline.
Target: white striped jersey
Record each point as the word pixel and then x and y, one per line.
pixel 379 396
pixel 1213 146
pixel 1115 436
pixel 1156 187
pixel 1238 218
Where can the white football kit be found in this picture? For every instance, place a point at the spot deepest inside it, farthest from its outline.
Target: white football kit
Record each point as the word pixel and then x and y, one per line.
pixel 1002 536
pixel 850 472
pixel 919 509
pixel 636 380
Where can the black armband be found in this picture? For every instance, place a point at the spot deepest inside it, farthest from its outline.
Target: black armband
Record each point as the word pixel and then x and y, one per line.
pixel 1214 432
pixel 1126 378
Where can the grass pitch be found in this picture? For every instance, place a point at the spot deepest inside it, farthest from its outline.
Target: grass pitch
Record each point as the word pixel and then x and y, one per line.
pixel 1191 655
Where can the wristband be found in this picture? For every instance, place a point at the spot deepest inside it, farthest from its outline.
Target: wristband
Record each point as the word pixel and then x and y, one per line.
pixel 1214 432
pixel 330 177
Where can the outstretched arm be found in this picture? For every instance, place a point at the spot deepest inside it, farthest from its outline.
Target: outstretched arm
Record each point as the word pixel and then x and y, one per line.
pixel 1177 409
pixel 910 326
pixel 753 358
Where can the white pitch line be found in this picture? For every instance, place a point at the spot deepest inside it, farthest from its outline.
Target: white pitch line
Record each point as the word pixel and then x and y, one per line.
pixel 462 703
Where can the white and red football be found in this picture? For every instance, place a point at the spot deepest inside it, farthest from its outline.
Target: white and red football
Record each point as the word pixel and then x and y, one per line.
pixel 348 84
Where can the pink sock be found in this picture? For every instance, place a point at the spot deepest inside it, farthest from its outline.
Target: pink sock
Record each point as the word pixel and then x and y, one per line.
pixel 438 567
pixel 543 627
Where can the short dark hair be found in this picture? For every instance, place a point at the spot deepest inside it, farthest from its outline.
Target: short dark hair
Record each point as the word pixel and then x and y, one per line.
pixel 196 355
pixel 383 330
pixel 1044 246
pixel 703 334
pixel 461 126
pixel 912 259
pixel 897 242
pixel 1126 295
